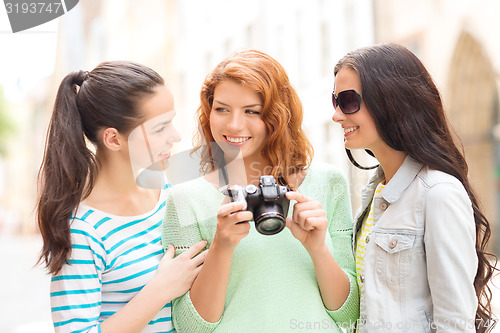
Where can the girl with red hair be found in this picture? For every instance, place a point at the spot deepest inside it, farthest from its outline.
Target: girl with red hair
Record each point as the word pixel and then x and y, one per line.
pixel 303 276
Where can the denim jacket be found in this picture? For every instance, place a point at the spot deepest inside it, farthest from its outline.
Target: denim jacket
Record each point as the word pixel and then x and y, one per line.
pixel 420 258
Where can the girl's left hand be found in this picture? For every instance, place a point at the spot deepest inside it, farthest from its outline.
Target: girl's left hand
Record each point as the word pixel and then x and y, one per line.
pixel 308 222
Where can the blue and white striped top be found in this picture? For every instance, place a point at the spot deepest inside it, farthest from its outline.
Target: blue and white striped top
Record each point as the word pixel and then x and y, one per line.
pixel 113 257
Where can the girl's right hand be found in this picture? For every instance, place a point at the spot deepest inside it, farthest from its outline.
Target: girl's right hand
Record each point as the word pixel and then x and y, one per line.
pixel 176 275
pixel 232 225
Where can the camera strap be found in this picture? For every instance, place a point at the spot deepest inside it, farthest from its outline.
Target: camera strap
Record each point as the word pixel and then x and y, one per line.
pixel 223 176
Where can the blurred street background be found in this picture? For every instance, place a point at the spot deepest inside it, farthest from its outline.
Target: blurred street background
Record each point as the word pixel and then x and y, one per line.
pixel 183 40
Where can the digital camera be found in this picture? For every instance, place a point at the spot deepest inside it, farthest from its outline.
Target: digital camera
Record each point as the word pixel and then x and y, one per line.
pixel 267 202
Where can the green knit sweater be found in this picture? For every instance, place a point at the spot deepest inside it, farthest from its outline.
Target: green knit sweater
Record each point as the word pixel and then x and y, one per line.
pixel 272 285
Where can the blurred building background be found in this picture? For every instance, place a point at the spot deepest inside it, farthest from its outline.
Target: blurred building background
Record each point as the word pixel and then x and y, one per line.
pixel 184 40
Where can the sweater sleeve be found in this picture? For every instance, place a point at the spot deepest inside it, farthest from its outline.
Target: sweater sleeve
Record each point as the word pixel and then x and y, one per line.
pixel 181 229
pixel 341 232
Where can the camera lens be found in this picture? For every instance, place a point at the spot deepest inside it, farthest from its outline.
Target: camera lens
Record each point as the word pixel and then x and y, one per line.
pixel 270 223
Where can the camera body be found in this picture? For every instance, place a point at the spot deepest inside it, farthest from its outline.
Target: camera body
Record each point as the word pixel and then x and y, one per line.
pixel 267 202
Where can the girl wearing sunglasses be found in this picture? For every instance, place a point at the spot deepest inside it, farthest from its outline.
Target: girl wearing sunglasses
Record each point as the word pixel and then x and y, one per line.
pixel 299 278
pixel 420 237
pixel 101 232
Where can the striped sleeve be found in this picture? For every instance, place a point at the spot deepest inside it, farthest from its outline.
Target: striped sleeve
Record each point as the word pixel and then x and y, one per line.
pixel 75 292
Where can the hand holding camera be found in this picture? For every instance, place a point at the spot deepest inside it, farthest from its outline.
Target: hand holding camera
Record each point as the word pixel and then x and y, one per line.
pixel 231 226
pixel 308 222
pixel 269 204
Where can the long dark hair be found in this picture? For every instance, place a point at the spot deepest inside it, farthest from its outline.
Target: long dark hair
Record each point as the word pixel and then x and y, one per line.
pixel 406 106
pixel 86 102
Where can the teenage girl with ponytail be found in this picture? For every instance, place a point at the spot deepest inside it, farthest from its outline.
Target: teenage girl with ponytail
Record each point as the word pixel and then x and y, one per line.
pixel 420 235
pixel 101 231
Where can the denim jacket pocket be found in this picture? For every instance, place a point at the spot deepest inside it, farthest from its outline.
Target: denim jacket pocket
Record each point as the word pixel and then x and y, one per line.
pixel 394 242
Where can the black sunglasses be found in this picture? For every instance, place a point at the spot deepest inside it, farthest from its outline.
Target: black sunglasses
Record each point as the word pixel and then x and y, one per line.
pixel 349 101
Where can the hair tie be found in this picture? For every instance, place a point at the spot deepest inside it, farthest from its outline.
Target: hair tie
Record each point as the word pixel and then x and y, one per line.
pixel 81 77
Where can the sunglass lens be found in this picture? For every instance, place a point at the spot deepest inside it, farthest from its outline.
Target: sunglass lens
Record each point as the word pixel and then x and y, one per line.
pixel 334 101
pixel 348 101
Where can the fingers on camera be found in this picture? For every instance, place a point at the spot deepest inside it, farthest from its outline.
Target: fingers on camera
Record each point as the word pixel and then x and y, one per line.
pixel 229 208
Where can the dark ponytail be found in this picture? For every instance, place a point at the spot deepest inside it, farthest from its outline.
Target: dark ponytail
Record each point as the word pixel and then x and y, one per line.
pixel 85 103
pixel 67 174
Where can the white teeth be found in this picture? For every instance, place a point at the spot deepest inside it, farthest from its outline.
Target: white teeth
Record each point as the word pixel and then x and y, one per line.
pixel 350 129
pixel 237 140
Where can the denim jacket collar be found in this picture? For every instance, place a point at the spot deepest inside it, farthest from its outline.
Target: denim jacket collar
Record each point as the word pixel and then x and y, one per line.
pixel 396 186
pixel 401 180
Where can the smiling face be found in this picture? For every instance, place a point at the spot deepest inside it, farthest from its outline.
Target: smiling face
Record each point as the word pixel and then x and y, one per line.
pixel 359 128
pixel 235 119
pixel 150 143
